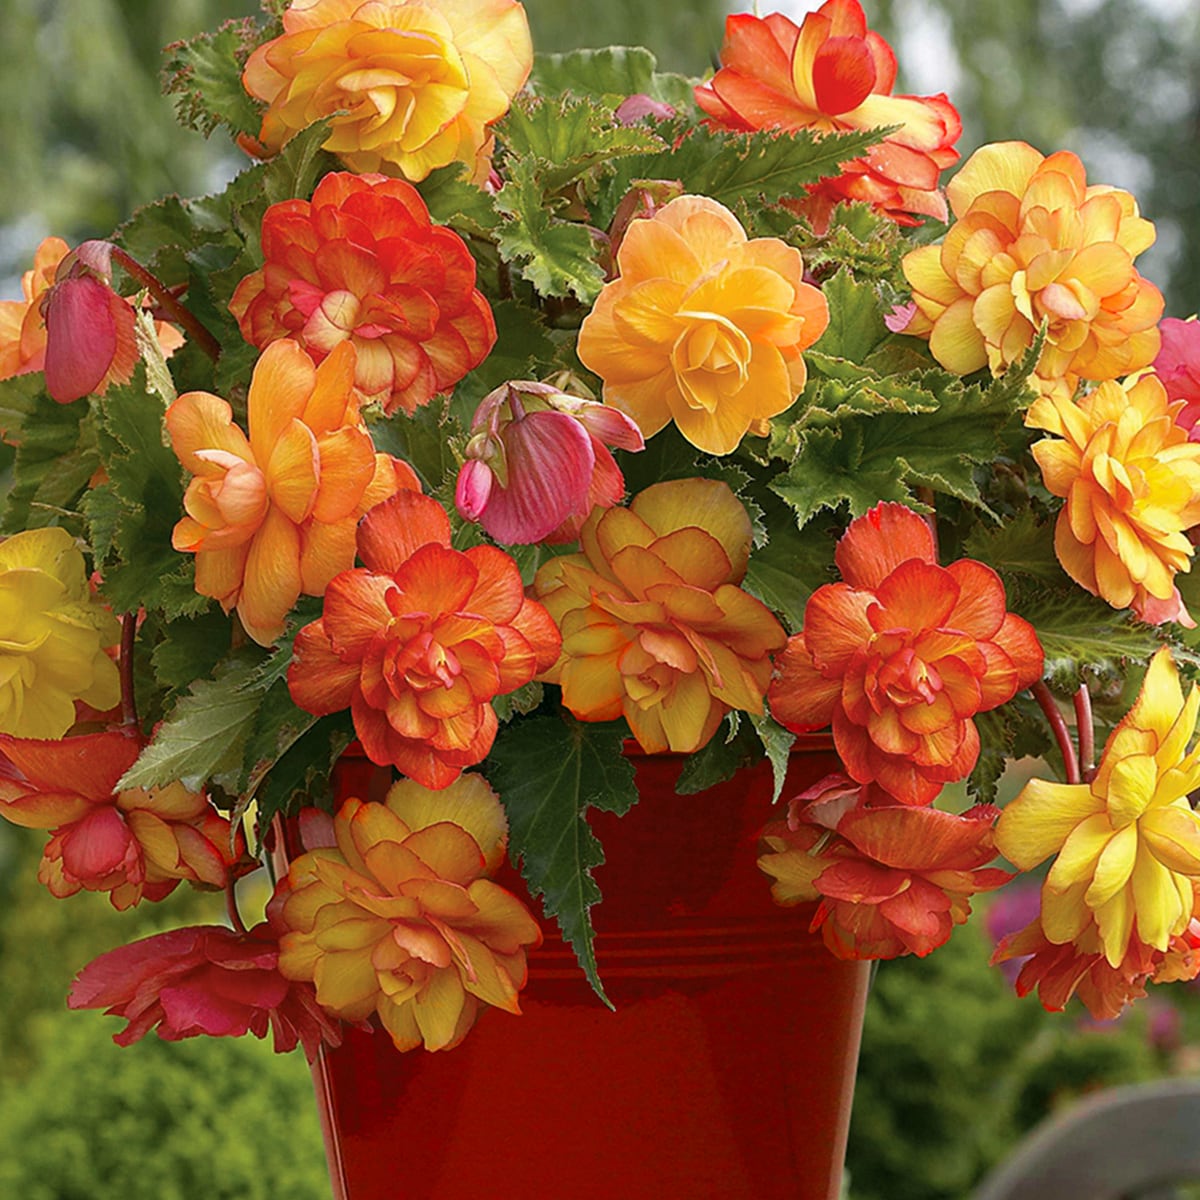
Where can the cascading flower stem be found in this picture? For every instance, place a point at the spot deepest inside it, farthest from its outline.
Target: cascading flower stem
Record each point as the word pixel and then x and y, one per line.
pixel 231 906
pixel 169 303
pixel 129 714
pixel 1087 733
pixel 1058 725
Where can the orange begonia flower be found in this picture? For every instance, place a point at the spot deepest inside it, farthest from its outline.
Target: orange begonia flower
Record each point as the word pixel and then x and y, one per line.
pixel 1127 844
pixel 361 262
pixel 901 656
pixel 418 643
pixel 398 917
pixel 274 515
pixel 1033 244
pixel 22 330
pixel 1062 971
pixel 654 626
pixel 407 84
pixel 832 74
pixel 135 843
pixel 893 879
pixel 704 327
pixel 1131 480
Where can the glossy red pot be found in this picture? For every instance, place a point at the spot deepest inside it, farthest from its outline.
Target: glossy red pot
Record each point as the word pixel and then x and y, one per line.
pixel 726 1071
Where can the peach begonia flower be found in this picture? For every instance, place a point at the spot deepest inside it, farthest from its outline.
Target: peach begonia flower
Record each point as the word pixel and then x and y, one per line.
pixel 655 628
pixel 1131 480
pixel 1178 368
pixel 53 636
pixel 206 980
pixel 538 463
pixel 362 262
pixel 830 74
pixel 1127 844
pixel 274 515
pixel 72 325
pixel 408 84
pixel 1032 243
pixel 703 326
pixel 398 917
pixel 1059 972
pixel 891 878
pixel 901 655
pixel 134 843
pixel 418 641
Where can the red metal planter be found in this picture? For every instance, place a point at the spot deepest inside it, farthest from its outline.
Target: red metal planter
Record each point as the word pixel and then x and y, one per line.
pixel 726 1072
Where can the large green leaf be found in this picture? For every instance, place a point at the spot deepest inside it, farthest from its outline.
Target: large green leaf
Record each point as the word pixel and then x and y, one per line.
pixel 204 73
pixel 613 71
pixel 548 771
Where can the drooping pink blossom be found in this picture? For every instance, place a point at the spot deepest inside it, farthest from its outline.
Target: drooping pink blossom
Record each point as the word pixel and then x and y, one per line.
pixel 1178 368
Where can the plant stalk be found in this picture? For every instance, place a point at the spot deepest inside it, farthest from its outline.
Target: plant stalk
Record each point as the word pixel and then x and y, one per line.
pixel 1058 725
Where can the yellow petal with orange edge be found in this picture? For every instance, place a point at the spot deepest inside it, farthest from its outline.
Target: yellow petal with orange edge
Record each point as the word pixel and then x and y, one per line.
pixel 280 387
pixel 706 504
pixel 1081 852
pixel 592 687
pixel 400 1023
pixel 1156 901
pixel 654 249
pixel 1039 820
pixel 1113 867
pixel 997 167
pixel 156 840
pixel 331 404
pixel 1064 914
pixel 219 573
pixel 293 471
pixel 501 920
pixel 448 850
pixel 346 983
pixel 955 341
pixel 708 228
pixel 201 421
pixel 352 934
pixel 298 956
pixel 1114 921
pixel 271 581
pixel 438 1008
pixel 690 714
pixel 1130 788
pixel 1172 834
pixel 366 825
pixel 326 550
pixel 491 983
pixel 468 802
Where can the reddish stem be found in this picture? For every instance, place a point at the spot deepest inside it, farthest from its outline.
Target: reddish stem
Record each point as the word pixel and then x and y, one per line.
pixel 1087 733
pixel 231 907
pixel 169 304
pixel 1062 735
pixel 125 668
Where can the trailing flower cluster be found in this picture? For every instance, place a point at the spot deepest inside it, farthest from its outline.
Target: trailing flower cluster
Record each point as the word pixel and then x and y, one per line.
pixel 490 416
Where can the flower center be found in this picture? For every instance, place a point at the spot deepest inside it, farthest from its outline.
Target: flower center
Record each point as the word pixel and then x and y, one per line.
pixel 711 358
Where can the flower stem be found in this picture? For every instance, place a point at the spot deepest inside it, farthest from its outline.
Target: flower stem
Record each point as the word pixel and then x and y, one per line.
pixel 231 907
pixel 169 303
pixel 1062 735
pixel 1087 733
pixel 125 668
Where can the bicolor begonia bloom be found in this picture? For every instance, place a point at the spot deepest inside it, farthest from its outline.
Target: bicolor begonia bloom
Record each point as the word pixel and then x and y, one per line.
pixel 655 627
pixel 704 326
pixel 1032 243
pixel 901 655
pixel 1126 846
pixel 538 463
pixel 273 515
pixel 418 641
pixel 205 980
pixel 53 636
pixel 890 878
pixel 362 262
pixel 134 843
pixel 399 919
pixel 1178 367
pixel 1131 481
pixel 1080 968
pixel 409 85
pixel 830 74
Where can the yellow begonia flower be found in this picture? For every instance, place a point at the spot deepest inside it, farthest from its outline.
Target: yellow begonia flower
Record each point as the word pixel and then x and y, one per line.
pixel 1128 843
pixel 52 636
pixel 1034 244
pixel 704 326
pixel 1131 480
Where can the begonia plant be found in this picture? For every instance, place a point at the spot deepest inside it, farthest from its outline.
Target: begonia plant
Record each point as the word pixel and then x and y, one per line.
pixel 510 411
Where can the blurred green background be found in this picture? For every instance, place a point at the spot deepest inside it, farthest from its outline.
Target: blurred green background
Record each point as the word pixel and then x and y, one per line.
pixel 954 1068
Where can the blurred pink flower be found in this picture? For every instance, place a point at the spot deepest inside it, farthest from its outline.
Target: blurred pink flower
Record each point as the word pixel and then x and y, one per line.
pixel 1178 367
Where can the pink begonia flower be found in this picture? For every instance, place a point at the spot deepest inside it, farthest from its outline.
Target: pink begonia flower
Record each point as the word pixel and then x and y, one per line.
pixel 538 463
pixel 206 979
pixel 1178 368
